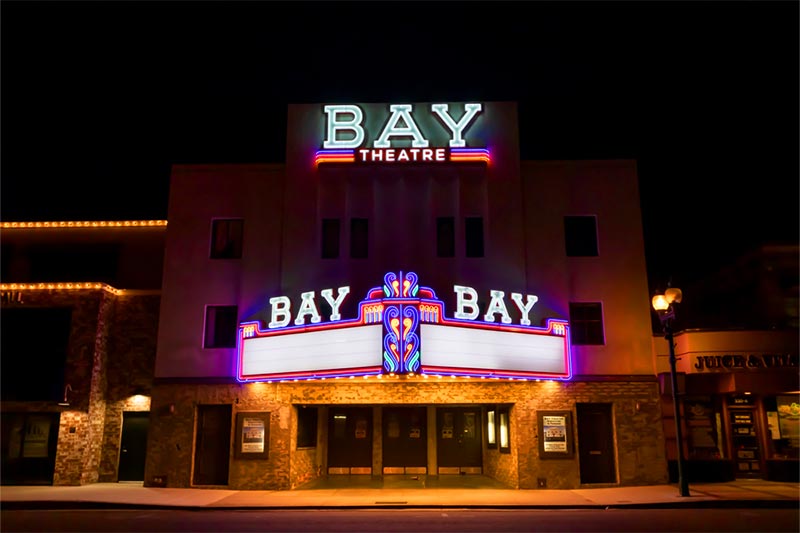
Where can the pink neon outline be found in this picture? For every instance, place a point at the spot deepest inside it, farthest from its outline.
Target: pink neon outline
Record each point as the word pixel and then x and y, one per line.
pixel 372 300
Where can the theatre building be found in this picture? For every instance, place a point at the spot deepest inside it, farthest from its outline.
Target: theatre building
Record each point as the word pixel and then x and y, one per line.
pixel 405 297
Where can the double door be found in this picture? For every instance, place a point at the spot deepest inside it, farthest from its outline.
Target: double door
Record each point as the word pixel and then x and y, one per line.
pixel 405 440
pixel 350 440
pixel 459 440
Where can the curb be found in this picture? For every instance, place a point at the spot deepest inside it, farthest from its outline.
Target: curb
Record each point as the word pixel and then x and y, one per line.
pixel 89 505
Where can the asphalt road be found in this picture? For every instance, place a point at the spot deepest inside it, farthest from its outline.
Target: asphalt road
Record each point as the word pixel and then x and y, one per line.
pixel 401 520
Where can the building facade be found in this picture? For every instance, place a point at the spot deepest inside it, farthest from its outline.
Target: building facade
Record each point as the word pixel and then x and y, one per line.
pixel 521 346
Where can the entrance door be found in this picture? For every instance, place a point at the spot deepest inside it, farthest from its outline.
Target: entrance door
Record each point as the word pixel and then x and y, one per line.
pixel 596 443
pixel 458 440
pixel 405 443
pixel 350 440
pixel 133 446
pixel 212 445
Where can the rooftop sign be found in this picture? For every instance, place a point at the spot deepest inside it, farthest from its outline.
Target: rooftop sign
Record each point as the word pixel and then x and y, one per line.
pixel 401 328
pixel 401 134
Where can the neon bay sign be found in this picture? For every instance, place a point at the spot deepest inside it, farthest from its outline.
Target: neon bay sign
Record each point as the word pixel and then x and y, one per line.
pixel 401 328
pixel 346 136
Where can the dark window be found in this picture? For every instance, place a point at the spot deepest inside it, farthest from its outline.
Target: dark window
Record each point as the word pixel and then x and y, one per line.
pixel 473 229
pixel 586 323
pixel 445 237
pixel 75 262
pixel 580 235
pixel 226 238
pixel 221 326
pixel 306 427
pixel 34 352
pixel 359 238
pixel 330 238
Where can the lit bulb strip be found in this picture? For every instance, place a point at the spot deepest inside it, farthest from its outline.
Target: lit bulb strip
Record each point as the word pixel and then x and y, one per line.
pixel 86 224
pixel 334 156
pixel 470 155
pixel 68 286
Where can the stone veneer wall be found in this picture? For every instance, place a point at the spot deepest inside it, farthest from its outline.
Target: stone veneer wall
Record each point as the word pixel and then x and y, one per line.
pixel 131 363
pixel 638 430
pixel 111 348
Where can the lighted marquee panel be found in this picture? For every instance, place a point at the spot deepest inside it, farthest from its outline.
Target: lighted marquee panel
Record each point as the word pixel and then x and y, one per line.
pixel 401 329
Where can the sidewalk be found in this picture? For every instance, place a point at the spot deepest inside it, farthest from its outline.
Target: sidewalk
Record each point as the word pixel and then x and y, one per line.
pixel 740 494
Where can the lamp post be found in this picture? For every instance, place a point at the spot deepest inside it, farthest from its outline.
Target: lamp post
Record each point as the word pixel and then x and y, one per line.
pixel 663 305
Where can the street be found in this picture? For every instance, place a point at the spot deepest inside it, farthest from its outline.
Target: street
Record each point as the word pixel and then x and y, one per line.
pixel 399 520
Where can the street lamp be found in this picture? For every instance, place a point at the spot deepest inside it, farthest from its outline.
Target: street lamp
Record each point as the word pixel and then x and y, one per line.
pixel 663 305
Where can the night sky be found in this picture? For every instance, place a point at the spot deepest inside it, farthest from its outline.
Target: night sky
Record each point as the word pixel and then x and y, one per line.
pixel 99 99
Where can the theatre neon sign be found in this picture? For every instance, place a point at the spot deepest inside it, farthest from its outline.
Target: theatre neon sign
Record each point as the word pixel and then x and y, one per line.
pixel 401 328
pixel 402 138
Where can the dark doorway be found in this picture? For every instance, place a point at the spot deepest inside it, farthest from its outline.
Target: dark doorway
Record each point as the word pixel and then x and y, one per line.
pixel 458 439
pixel 405 442
pixel 29 448
pixel 596 443
pixel 133 445
pixel 350 439
pixel 212 445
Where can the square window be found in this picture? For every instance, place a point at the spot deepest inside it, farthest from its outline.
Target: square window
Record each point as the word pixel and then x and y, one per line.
pixel 445 237
pixel 330 238
pixel 473 229
pixel 359 238
pixel 226 238
pixel 221 326
pixel 586 323
pixel 580 235
pixel 306 427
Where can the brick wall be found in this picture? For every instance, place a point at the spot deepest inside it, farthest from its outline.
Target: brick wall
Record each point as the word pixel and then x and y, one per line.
pixel 635 407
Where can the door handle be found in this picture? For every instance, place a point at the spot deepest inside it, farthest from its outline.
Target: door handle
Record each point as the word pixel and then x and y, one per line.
pixel 595 452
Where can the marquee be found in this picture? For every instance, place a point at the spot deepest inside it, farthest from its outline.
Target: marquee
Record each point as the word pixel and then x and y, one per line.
pixel 401 329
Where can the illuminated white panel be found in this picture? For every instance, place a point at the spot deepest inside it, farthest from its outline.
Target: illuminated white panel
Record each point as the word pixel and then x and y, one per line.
pixel 457 347
pixel 353 347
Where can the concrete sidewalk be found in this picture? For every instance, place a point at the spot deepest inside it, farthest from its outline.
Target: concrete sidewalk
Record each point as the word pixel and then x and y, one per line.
pixel 740 493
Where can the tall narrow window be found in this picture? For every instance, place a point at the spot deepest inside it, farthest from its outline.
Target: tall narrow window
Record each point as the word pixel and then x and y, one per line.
pixel 226 238
pixel 473 229
pixel 359 238
pixel 445 237
pixel 505 431
pixel 586 322
pixel 580 235
pixel 330 238
pixel 221 326
pixel 491 429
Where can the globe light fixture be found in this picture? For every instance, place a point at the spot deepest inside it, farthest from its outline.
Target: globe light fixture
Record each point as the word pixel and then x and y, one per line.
pixel 664 305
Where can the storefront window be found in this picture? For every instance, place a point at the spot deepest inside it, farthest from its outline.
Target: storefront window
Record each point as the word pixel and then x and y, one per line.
pixel 704 423
pixel 783 419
